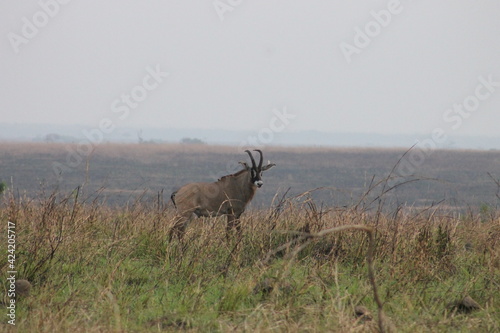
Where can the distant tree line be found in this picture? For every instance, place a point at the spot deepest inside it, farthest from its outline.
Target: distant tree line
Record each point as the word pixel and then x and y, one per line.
pixel 192 141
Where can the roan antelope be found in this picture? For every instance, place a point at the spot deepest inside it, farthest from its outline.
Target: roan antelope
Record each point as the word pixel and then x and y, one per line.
pixel 228 196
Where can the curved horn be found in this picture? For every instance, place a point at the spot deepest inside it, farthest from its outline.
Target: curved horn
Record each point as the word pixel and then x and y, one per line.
pixel 261 158
pixel 251 158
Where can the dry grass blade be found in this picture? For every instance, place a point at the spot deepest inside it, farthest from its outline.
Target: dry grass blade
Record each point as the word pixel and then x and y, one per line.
pixel 369 261
pixel 308 237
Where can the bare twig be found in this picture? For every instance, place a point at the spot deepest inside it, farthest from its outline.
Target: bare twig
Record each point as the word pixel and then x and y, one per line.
pixel 369 261
pixel 308 237
pixel 497 182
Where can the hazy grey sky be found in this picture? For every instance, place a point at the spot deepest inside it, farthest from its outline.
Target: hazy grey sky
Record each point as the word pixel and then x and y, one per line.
pixel 337 66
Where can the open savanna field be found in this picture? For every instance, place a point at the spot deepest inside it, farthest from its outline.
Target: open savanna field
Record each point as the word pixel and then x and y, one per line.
pixel 424 255
pixel 123 173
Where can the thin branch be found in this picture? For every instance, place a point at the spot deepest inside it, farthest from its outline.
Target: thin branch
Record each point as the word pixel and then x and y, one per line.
pixel 308 237
pixel 497 182
pixel 369 261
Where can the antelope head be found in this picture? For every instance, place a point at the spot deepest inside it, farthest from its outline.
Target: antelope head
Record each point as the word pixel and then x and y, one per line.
pixel 256 170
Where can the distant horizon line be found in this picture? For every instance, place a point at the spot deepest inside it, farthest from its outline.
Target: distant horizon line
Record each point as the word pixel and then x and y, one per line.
pixel 234 145
pixel 290 132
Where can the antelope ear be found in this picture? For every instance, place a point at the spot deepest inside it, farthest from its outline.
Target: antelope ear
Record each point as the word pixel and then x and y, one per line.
pixel 269 166
pixel 245 165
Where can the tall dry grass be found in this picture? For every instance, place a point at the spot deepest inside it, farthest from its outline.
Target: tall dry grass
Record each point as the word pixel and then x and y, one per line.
pixel 98 269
